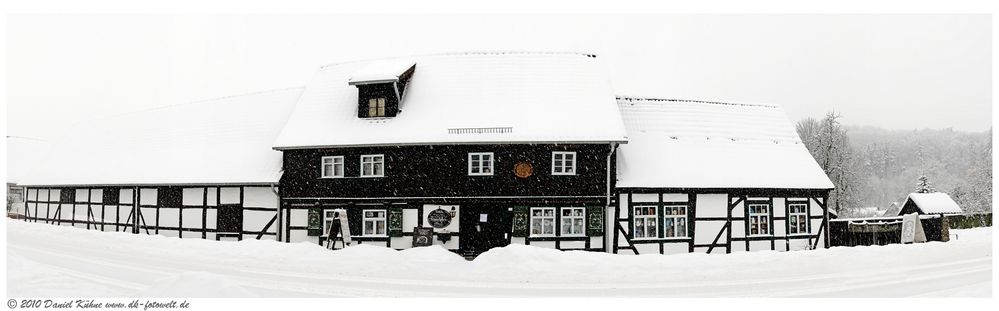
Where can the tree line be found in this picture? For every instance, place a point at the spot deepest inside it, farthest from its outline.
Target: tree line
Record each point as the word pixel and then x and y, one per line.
pixel 876 167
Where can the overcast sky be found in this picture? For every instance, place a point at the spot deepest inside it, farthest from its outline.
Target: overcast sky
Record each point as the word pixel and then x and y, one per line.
pixel 893 71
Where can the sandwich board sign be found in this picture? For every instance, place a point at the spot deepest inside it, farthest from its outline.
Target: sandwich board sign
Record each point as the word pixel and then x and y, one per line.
pixel 912 229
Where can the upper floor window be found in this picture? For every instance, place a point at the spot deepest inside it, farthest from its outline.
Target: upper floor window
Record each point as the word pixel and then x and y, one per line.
pixel 759 219
pixel 374 222
pixel 373 165
pixel 797 217
pixel 573 222
pixel 542 221
pixel 675 221
pixel 332 167
pixel 376 107
pixel 480 163
pixel 645 222
pixel 564 163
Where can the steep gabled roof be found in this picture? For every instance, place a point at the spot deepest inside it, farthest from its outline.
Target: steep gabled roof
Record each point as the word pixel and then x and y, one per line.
pixel 219 141
pixel 932 203
pixel 478 97
pixel 676 143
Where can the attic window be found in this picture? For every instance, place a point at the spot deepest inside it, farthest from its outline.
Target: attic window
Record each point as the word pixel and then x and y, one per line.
pixel 376 107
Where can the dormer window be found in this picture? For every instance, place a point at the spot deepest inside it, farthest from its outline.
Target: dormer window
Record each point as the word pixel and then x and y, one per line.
pixel 381 87
pixel 376 107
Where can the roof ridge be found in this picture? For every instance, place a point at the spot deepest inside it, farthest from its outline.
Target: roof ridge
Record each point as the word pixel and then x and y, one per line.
pixel 471 52
pixel 655 99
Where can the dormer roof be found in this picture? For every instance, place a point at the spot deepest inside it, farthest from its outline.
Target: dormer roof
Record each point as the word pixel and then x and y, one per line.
pixel 382 71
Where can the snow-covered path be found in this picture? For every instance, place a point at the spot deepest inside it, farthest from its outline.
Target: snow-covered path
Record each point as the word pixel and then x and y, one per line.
pixel 46 260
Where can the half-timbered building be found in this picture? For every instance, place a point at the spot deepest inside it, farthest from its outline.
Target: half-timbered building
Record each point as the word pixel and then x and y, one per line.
pixel 469 151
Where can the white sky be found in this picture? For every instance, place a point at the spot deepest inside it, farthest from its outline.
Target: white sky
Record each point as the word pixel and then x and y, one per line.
pixel 893 71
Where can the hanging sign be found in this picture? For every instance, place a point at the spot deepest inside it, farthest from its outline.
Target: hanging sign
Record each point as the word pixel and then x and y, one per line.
pixel 423 236
pixel 439 218
pixel 523 169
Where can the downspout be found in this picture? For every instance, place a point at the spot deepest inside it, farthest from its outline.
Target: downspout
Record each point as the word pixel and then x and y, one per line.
pixel 277 229
pixel 607 205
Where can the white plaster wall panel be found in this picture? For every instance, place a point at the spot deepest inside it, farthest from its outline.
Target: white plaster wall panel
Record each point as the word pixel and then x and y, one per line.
pixel 410 219
pixel 706 231
pixel 711 205
pixel 740 210
pixel 213 194
pixel 193 196
pixel 779 228
pixel 173 233
pixel 651 248
pixel 759 245
pixel 210 236
pixel 676 248
pixel 298 236
pixel 125 196
pixel 517 240
pixel 799 244
pixel 54 195
pixel 96 195
pixel 80 195
pixel 147 196
pixel 545 244
pixel 32 193
pixel 229 195
pixel 192 218
pixel 402 242
pixel 147 217
pixel 738 228
pixel 675 197
pixel 596 242
pixel 259 197
pixel 211 218
pixel 66 211
pixel 814 208
pixel 256 220
pixel 299 218
pixel 644 197
pixel 375 243
pixel 779 207
pixel 573 245
pixel 169 217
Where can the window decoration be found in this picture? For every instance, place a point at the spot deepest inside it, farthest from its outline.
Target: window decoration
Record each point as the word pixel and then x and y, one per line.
pixel 645 222
pixel 373 165
pixel 480 163
pixel 573 221
pixel 543 221
pixel 759 219
pixel 564 163
pixel 332 167
pixel 675 221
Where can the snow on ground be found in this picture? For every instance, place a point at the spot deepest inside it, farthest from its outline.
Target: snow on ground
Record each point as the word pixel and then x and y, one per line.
pixel 47 260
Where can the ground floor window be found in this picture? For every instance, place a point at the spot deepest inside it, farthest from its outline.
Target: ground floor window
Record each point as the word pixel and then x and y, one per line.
pixel 645 222
pixel 573 221
pixel 675 221
pixel 328 219
pixel 797 217
pixel 542 221
pixel 759 219
pixel 374 223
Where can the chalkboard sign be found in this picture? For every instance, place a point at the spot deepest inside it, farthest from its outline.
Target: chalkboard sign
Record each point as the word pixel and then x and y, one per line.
pixel 423 236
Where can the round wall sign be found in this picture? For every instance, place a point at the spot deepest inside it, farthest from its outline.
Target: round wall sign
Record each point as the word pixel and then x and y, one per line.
pixel 439 218
pixel 523 169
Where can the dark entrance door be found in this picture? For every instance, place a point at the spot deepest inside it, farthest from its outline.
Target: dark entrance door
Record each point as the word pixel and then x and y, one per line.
pixel 484 227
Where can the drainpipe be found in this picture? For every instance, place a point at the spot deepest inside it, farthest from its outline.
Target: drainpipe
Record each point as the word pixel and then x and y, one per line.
pixel 607 205
pixel 277 229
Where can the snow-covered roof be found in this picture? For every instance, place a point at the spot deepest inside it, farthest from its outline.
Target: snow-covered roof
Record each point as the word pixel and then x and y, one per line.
pixel 381 71
pixel 475 97
pixel 934 203
pixel 22 153
pixel 675 143
pixel 219 141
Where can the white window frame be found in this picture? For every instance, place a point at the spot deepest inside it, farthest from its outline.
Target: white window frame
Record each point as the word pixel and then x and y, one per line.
pixel 571 218
pixel 645 219
pixel 801 218
pixel 558 163
pixel 368 159
pixel 477 161
pixel 332 162
pixel 373 221
pixel 760 217
pixel 328 221
pixel 542 219
pixel 677 217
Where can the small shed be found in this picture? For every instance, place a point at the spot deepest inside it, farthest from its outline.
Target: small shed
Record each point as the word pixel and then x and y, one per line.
pixel 929 203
